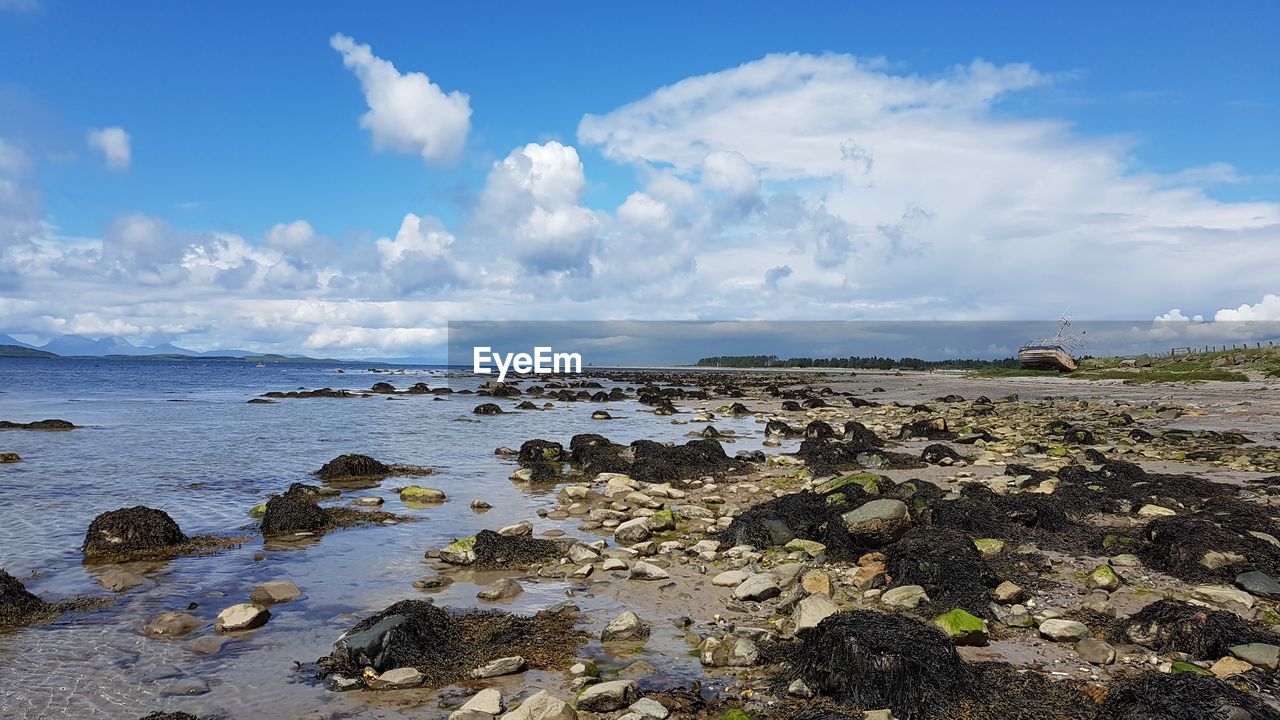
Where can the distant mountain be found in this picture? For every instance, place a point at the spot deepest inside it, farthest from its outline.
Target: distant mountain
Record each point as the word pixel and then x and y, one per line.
pixel 111 345
pixel 23 351
pixel 80 345
pixel 7 340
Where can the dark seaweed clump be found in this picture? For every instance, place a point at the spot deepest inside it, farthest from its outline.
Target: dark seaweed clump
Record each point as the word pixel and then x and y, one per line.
pixel 446 645
pixel 946 564
pixel 494 551
pixel 352 465
pixel 17 604
pixel 1202 633
pixel 131 530
pixel 658 463
pixel 869 660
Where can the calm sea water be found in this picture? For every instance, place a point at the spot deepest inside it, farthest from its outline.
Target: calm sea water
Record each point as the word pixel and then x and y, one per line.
pixel 181 437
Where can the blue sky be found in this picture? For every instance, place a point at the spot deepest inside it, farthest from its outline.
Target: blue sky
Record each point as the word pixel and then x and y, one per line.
pixel 242 116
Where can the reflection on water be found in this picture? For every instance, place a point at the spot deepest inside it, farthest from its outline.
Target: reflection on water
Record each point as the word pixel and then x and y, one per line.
pixel 181 437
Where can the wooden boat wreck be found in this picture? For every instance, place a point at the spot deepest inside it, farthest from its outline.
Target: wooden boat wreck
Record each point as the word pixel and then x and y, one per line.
pixel 1052 353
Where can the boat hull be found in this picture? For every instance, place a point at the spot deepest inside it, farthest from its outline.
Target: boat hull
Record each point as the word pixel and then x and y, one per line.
pixel 1046 358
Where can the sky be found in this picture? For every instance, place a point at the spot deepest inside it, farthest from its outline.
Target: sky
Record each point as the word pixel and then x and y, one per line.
pixel 344 180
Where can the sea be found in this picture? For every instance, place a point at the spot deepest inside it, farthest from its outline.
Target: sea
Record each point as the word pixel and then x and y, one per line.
pixel 182 437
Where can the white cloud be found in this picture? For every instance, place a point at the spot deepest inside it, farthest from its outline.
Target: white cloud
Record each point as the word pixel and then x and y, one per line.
pixel 1267 309
pixel 532 202
pixel 12 159
pixel 114 144
pixel 914 195
pixel 407 112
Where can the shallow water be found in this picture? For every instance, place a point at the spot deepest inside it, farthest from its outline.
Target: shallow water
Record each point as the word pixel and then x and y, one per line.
pixel 181 437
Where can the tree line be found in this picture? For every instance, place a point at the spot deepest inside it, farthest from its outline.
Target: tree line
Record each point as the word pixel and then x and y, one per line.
pixel 853 362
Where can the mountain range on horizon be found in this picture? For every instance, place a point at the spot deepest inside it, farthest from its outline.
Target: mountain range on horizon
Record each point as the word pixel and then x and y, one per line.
pixel 80 345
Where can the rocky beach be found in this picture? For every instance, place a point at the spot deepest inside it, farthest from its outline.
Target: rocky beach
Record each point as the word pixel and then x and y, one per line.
pixel 637 544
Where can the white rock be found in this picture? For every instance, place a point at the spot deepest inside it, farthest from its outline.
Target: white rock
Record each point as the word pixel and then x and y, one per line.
pixel 730 578
pixel 542 706
pixel 484 705
pixel 244 616
pixel 812 610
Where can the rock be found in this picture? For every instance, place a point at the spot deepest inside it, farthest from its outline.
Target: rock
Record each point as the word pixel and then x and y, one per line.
pixel 1008 593
pixel 481 505
pixel 131 530
pixel 1228 666
pixel 484 705
pixel 1256 582
pixel 962 627
pixel 499 667
pixel 366 501
pixel 811 611
pixel 242 616
pixel 989 547
pixel 1155 511
pixel 523 528
pixel 661 521
pixel 811 548
pixel 275 592
pixel 1262 655
pixel 743 652
pixel 1060 630
pixel 798 688
pixel 647 571
pixel 762 586
pixel 627 626
pixel 422 495
pixel 9 457
pixel 904 596
pixel 1102 578
pixel 1125 560
pixel 609 696
pixel 1095 651
pixel 637 669
pixel 579 553
pixel 612 564
pixel 206 645
pixel 503 589
pixel 816 582
pixel 117 580
pixel 397 679
pixel 730 578
pixel 173 624
pixel 1216 560
pixel 878 522
pixel 542 706
pixel 1222 595
pixel 632 531
pixel 460 552
pixel 649 708
pixel 433 583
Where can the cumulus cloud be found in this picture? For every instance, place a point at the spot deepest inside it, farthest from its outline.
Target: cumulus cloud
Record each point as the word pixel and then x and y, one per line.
pixel 115 145
pixel 407 112
pixel 532 202
pixel 1267 309
pixel 914 195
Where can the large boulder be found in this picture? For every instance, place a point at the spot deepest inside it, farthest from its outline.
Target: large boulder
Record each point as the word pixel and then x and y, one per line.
pixel 131 530
pixel 878 522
